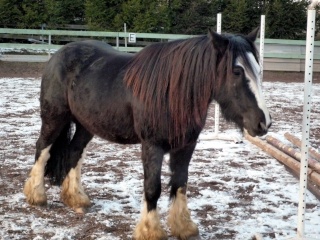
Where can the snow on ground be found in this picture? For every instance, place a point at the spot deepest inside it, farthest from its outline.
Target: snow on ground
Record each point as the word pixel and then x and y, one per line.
pixel 235 190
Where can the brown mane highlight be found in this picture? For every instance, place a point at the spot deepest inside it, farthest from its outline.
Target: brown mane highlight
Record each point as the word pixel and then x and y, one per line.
pixel 175 82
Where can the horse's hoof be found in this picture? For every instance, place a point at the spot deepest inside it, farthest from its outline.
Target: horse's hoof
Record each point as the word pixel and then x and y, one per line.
pixel 187 234
pixel 35 195
pixel 76 199
pixel 149 228
pixel 78 203
pixel 147 235
pixel 80 210
pixel 179 220
pixel 143 233
pixel 42 201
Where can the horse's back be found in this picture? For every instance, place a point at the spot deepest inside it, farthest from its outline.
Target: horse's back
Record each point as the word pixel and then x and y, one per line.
pixel 77 56
pixel 76 59
pixel 86 79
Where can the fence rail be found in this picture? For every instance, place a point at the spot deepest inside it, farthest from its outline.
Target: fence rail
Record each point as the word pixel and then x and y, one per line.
pixel 280 54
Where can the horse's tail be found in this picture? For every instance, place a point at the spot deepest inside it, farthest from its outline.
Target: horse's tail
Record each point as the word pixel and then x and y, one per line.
pixel 57 166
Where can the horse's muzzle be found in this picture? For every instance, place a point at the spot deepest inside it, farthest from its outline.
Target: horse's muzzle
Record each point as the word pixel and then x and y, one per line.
pixel 260 130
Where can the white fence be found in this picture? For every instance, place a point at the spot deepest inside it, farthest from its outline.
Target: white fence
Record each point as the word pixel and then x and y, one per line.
pixel 288 55
pixel 279 54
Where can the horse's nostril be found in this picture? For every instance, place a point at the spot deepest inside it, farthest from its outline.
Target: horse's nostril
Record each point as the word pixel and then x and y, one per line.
pixel 263 126
pixel 270 123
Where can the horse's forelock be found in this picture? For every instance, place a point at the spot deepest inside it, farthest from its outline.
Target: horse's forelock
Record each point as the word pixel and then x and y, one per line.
pixel 240 47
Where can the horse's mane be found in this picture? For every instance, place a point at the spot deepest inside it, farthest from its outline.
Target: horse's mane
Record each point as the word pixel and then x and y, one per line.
pixel 176 82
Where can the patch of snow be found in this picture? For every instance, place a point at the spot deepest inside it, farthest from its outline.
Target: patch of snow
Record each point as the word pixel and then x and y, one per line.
pixel 219 173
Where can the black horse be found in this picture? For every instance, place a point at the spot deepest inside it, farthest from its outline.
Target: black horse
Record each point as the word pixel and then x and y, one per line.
pixel 158 97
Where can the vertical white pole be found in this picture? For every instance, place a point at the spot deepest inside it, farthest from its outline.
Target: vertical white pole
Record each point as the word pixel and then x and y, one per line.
pixel 217 107
pixel 306 121
pixel 49 42
pixel 219 23
pixel 125 31
pixel 117 42
pixel 261 50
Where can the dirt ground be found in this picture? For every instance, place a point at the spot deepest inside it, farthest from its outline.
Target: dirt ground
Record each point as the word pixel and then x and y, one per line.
pixel 88 224
pixel 19 69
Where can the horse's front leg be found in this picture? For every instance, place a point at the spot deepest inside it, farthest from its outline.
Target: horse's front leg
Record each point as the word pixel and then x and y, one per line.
pixel 179 219
pixel 149 226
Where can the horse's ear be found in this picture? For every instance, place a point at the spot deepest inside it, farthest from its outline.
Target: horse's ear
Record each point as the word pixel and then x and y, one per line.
pixel 253 35
pixel 219 42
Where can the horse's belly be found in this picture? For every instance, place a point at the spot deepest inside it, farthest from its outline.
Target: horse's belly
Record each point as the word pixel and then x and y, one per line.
pixel 116 130
pixel 109 122
pixel 113 136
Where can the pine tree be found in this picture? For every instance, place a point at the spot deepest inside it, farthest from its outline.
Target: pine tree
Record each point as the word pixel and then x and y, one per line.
pixel 143 16
pixel 62 12
pixel 286 19
pixel 101 14
pixel 11 13
pixel 235 17
pixel 191 16
pixel 34 14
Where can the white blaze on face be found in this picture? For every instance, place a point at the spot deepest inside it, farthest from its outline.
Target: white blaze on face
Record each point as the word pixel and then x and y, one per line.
pixel 255 83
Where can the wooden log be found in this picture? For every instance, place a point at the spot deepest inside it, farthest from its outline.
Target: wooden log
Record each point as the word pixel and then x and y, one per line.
pixel 292 152
pixel 311 186
pixel 296 141
pixel 283 158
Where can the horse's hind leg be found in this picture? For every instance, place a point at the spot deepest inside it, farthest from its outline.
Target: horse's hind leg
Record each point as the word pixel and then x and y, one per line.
pixel 179 219
pixel 149 226
pixel 73 194
pixel 34 187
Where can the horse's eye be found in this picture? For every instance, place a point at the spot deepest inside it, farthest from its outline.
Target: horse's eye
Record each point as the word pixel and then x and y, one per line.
pixel 237 72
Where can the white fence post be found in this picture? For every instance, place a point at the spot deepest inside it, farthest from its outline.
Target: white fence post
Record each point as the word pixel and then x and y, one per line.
pixel 261 50
pixel 125 38
pixel 117 41
pixel 49 43
pixel 216 134
pixel 217 107
pixel 306 121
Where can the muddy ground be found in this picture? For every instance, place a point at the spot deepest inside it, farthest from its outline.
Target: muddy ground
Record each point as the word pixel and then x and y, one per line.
pixel 20 221
pixel 24 70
